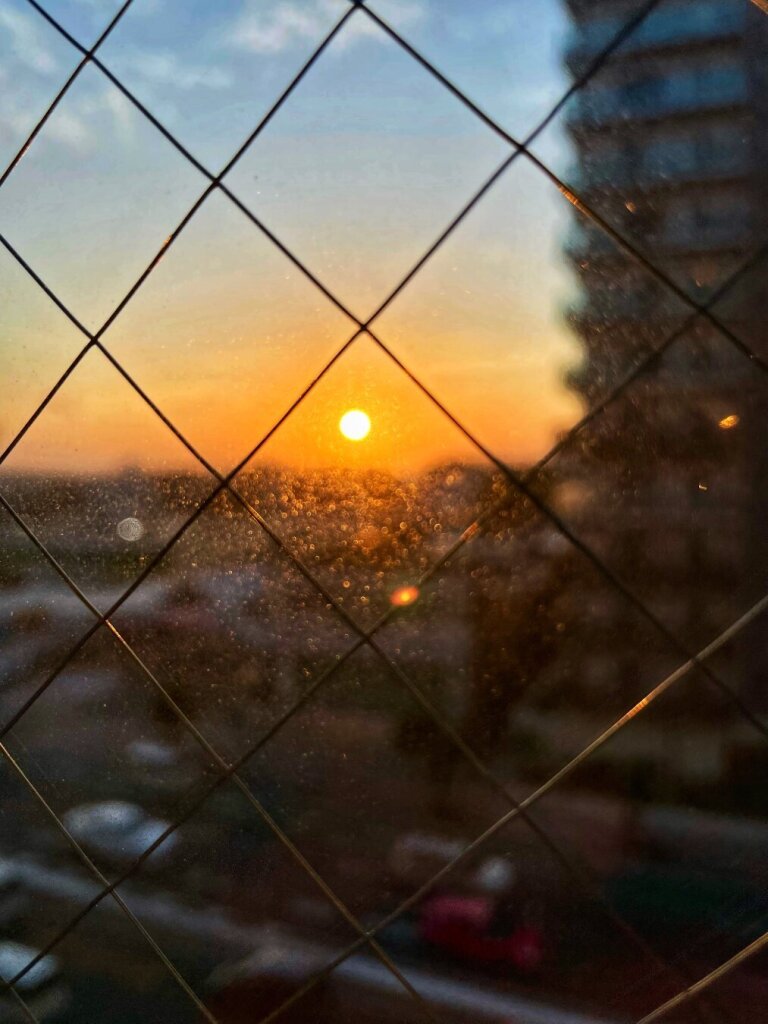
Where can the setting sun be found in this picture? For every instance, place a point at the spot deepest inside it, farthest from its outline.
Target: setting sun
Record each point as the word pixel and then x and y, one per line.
pixel 355 425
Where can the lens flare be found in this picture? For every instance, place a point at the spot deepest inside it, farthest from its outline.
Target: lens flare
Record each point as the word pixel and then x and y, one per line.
pixel 355 424
pixel 404 596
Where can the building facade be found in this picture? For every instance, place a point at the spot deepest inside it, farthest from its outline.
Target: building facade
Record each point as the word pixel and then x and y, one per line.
pixel 669 142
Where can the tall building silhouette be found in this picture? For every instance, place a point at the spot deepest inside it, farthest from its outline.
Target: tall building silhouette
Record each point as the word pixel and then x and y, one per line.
pixel 670 141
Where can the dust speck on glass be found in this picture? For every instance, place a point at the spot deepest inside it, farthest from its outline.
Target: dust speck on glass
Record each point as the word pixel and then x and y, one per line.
pixel 383 460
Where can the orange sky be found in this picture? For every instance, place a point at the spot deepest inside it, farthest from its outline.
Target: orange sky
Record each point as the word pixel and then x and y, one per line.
pixel 226 333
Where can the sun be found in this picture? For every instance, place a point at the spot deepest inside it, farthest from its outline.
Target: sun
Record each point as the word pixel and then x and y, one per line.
pixel 355 424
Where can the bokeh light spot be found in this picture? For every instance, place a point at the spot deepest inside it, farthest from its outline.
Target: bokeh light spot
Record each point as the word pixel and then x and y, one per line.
pixel 404 596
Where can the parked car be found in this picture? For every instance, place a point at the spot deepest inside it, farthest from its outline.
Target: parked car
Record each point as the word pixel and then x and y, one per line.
pixel 474 930
pixel 478 915
pixel 120 832
pixel 42 988
pixel 415 857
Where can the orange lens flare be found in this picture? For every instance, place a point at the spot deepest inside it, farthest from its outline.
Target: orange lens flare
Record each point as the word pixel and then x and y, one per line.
pixel 404 596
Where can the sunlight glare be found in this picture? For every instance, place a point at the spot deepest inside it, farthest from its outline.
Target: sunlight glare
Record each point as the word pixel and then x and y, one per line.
pixel 355 425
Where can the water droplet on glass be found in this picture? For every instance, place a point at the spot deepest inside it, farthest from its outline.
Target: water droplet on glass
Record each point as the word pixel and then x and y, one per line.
pixel 130 529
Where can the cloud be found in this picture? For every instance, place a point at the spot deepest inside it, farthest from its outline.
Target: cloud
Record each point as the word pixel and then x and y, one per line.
pixel 160 67
pixel 293 22
pixel 80 123
pixel 70 128
pixel 89 119
pixel 92 110
pixel 21 36
pixel 280 28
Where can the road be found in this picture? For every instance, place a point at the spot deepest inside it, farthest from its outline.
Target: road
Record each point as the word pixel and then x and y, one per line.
pixel 181 929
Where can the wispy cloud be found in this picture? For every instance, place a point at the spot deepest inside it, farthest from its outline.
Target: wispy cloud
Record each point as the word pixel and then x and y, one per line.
pixel 27 67
pixel 93 110
pixel 84 124
pixel 163 68
pixel 79 124
pixel 22 38
pixel 290 23
pixel 71 129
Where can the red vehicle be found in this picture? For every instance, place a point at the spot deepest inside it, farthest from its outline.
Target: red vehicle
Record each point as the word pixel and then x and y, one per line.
pixel 472 928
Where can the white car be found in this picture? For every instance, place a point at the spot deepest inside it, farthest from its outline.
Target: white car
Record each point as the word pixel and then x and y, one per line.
pixel 417 856
pixel 119 831
pixel 42 989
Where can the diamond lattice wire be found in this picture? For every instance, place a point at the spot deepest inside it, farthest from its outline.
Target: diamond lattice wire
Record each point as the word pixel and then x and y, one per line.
pixel 520 483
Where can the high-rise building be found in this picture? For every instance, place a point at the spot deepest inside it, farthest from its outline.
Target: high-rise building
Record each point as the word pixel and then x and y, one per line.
pixel 670 140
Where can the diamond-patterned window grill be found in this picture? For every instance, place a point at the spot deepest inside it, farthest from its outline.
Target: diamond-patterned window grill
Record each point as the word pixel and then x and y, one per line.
pixel 208 630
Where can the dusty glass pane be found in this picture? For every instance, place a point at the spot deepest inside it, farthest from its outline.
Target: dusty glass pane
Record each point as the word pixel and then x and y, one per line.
pixel 31 907
pixel 85 21
pixel 524 648
pixel 515 911
pixel 42 620
pixel 502 58
pixel 38 345
pixel 98 746
pixel 464 561
pixel 364 166
pixel 361 751
pixel 690 523
pixel 663 140
pixel 493 323
pixel 231 628
pixel 738 307
pixel 95 197
pixel 77 480
pixel 38 62
pixel 210 72
pixel 106 967
pixel 740 988
pixel 368 482
pixel 679 866
pixel 226 333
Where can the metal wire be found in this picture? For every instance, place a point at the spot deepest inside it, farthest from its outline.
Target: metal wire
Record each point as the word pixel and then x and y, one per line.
pixel 707 980
pixel 518 481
